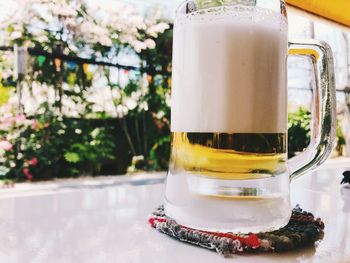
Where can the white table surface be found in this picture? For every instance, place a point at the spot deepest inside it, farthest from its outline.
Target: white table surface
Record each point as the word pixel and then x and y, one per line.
pixel 109 224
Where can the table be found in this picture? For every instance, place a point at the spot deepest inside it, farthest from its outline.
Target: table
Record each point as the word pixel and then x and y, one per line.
pixel 109 224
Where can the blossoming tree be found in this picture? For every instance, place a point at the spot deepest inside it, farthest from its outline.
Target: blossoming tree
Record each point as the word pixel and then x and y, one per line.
pixel 73 116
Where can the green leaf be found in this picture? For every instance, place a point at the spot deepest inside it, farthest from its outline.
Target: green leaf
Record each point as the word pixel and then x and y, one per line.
pixel 79 147
pixel 4 171
pixel 41 60
pixel 95 133
pixel 75 171
pixel 10 28
pixel 4 94
pixel 72 157
pixel 72 78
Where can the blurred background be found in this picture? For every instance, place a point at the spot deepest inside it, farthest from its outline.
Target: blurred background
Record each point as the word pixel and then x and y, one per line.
pixel 85 86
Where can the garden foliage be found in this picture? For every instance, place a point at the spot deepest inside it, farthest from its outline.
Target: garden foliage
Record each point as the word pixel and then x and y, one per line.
pixel 75 118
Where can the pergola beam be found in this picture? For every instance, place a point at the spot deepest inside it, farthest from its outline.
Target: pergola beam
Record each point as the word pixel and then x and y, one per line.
pixel 335 10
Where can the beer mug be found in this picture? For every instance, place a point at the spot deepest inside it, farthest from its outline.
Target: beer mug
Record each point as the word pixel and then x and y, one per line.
pixel 229 168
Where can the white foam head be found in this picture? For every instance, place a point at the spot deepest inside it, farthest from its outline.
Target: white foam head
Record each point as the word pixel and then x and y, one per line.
pixel 229 71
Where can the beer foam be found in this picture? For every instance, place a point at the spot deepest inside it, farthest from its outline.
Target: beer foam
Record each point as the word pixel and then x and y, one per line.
pixel 252 13
pixel 229 71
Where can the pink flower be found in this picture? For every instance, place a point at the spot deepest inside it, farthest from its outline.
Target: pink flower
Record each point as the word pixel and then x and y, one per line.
pixel 20 118
pixel 33 162
pixel 27 174
pixel 6 145
pixel 7 120
pixel 35 125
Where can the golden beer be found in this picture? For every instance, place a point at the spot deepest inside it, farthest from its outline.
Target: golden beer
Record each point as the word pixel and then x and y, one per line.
pixel 230 156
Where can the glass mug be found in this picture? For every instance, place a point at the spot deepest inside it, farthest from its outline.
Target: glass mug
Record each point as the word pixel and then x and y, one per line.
pixel 229 169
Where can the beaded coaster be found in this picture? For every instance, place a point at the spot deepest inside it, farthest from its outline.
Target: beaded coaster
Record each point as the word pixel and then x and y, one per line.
pixel 302 230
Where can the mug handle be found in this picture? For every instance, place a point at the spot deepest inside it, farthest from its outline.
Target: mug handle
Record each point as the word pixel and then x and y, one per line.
pixel 323 125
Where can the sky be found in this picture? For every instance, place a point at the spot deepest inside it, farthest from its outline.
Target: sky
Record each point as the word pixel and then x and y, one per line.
pixel 170 4
pixel 7 5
